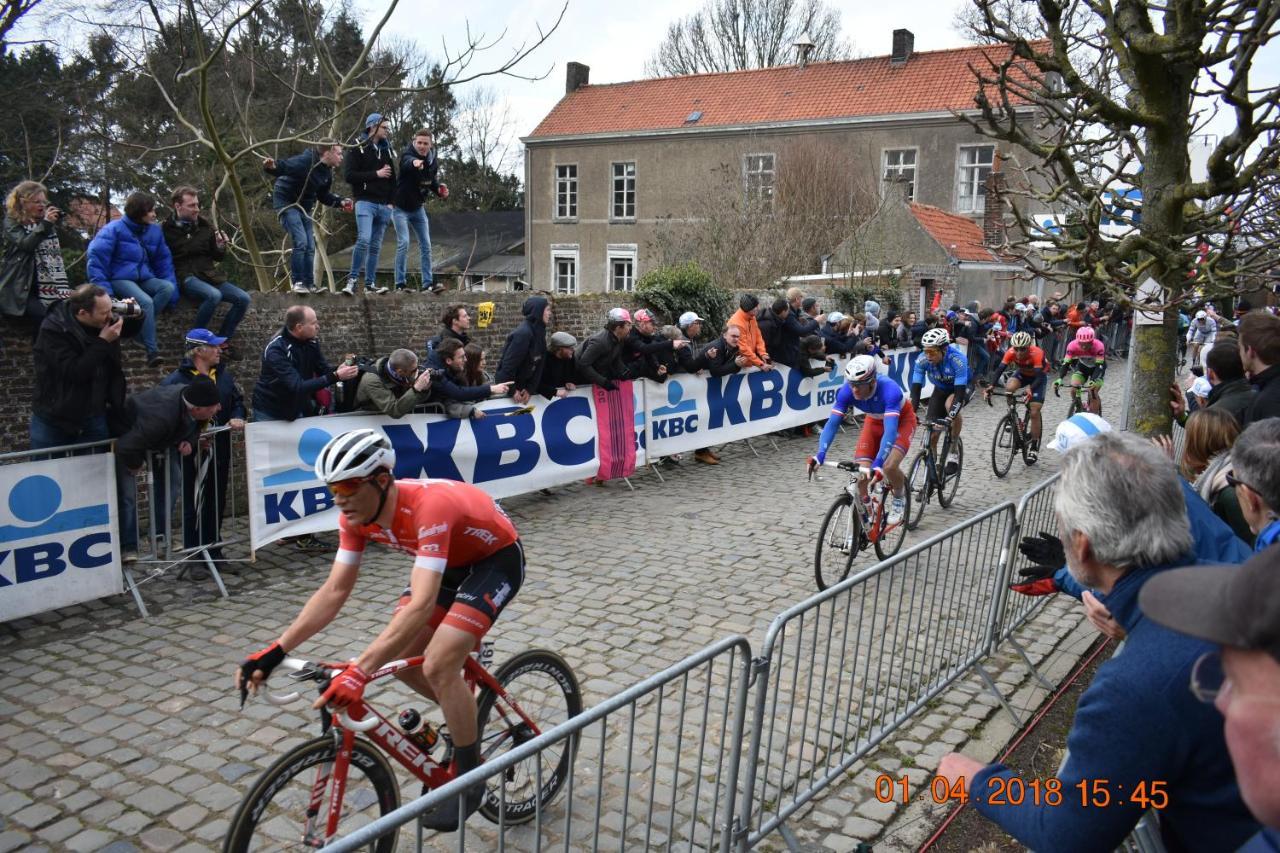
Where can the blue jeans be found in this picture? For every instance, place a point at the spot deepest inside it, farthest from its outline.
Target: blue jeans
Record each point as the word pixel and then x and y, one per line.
pixel 371 222
pixel 298 223
pixel 153 295
pixel 417 220
pixel 210 295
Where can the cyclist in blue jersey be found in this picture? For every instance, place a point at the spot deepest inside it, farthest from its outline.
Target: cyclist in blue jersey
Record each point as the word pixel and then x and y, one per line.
pixel 948 369
pixel 886 433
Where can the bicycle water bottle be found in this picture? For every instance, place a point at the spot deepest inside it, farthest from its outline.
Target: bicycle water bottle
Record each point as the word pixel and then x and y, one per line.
pixel 420 731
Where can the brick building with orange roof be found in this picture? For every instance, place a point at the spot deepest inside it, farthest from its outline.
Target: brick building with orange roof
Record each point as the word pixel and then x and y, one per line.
pixel 612 163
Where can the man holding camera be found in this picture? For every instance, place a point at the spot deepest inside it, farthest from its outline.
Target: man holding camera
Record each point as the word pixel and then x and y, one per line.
pixel 79 388
pixel 394 387
pixel 294 371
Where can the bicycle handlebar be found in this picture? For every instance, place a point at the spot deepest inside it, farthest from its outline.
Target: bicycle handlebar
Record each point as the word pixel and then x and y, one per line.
pixel 290 665
pixel 303 669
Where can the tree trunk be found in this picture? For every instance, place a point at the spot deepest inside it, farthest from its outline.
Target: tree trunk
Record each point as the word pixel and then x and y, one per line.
pixel 1155 352
pixel 260 273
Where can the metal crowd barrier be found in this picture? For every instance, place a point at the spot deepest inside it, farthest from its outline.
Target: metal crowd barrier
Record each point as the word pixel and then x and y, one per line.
pixel 1034 515
pixel 678 734
pixel 844 669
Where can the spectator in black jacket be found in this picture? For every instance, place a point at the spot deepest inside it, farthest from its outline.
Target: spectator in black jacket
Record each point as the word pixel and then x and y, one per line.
pixel 418 181
pixel 198 248
pixel 1229 390
pixel 600 356
pixel 456 322
pixel 835 334
pixel 723 356
pixel 79 389
pixel 525 350
pixel 691 358
pixel 793 326
pixel 167 417
pixel 1260 354
pixel 32 274
pixel 301 181
pixel 369 169
pixel 645 353
pixel 294 369
pixel 461 386
pixel 769 319
pixel 560 371
pixel 204 359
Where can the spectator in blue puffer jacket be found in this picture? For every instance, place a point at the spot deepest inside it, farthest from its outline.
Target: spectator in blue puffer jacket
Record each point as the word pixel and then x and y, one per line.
pixel 129 258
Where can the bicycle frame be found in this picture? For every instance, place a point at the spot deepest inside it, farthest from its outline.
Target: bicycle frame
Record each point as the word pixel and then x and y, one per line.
pixel 363 718
pixel 1011 398
pixel 858 473
pixel 930 455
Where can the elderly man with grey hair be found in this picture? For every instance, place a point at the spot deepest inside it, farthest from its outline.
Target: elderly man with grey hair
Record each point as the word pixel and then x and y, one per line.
pixel 1255 460
pixel 1139 738
pixel 394 387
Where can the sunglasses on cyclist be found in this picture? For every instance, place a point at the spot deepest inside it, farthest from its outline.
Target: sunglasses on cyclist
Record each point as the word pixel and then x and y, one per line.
pixel 347 488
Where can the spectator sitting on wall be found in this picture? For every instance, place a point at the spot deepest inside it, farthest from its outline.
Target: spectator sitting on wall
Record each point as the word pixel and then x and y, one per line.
pixel 456 322
pixel 1256 476
pixel 197 249
pixel 129 258
pixel 560 373
pixel 525 350
pixel 204 359
pixel 32 275
pixel 1237 608
pixel 1229 391
pixel 1123 520
pixel 751 342
pixel 1260 355
pixel 461 384
pixel 600 356
pixel 395 386
pixel 78 393
pixel 294 371
pixel 645 353
pixel 167 417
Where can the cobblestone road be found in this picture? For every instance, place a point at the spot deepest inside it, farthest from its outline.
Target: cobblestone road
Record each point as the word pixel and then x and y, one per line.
pixel 121 733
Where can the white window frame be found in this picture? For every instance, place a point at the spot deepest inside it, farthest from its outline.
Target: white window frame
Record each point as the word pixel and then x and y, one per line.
pixel 757 193
pixel 614 178
pixel 620 252
pixel 966 173
pixel 570 212
pixel 565 252
pixel 898 170
pixel 474 286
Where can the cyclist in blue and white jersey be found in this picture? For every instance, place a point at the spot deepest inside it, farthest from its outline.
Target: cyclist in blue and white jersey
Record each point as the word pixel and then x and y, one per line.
pixel 948 369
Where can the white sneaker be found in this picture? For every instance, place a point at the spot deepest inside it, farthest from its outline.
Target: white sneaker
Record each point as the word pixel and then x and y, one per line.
pixel 350 289
pixel 381 290
pixel 129 555
pixel 299 287
pixel 896 509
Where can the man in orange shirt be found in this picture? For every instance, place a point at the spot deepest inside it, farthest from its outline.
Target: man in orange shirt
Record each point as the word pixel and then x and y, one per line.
pixel 751 344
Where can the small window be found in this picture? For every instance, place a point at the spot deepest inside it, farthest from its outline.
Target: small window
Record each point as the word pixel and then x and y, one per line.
pixel 624 191
pixel 620 271
pixel 758 172
pixel 567 192
pixel 564 267
pixel 974 165
pixel 900 166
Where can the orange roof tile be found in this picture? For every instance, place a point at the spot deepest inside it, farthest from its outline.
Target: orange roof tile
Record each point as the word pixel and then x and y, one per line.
pixel 932 81
pixel 959 236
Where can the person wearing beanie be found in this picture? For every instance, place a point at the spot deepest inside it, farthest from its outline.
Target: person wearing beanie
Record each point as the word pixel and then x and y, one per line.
pixel 369 168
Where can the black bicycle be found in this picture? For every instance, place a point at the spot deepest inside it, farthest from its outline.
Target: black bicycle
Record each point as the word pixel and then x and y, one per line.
pixel 934 472
pixel 1013 433
pixel 1087 388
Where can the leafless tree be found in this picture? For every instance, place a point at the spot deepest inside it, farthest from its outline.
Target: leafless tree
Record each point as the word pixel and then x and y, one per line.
pixel 11 12
pixel 732 35
pixel 486 131
pixel 1120 90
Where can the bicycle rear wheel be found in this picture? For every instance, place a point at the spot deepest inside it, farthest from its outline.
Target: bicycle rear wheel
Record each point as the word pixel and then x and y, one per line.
pixel 918 488
pixel 542 685
pixel 889 542
pixel 951 482
pixel 839 540
pixel 1004 446
pixel 273 815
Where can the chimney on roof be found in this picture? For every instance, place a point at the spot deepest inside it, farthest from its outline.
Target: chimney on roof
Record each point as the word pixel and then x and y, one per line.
pixel 576 75
pixel 904 44
pixel 804 46
pixel 993 227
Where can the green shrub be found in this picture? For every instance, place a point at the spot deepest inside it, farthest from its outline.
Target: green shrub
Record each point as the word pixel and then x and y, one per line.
pixel 673 290
pixel 850 299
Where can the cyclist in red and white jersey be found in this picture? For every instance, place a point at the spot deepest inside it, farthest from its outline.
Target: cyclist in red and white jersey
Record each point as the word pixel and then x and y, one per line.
pixel 467 566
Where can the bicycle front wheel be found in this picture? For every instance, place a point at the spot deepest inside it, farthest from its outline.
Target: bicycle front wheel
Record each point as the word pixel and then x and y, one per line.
pixel 1004 446
pixel 839 540
pixel 542 685
pixel 274 814
pixel 890 537
pixel 951 481
pixel 918 489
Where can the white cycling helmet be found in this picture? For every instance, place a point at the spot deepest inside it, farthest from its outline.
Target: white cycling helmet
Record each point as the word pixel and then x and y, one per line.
pixel 860 369
pixel 358 453
pixel 1020 340
pixel 936 337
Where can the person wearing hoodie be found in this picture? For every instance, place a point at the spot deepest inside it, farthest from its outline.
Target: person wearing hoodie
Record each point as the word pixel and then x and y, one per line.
pixel 525 349
pixel 369 169
pixel 204 358
pixel 418 181
pixel 751 341
pixel 130 259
